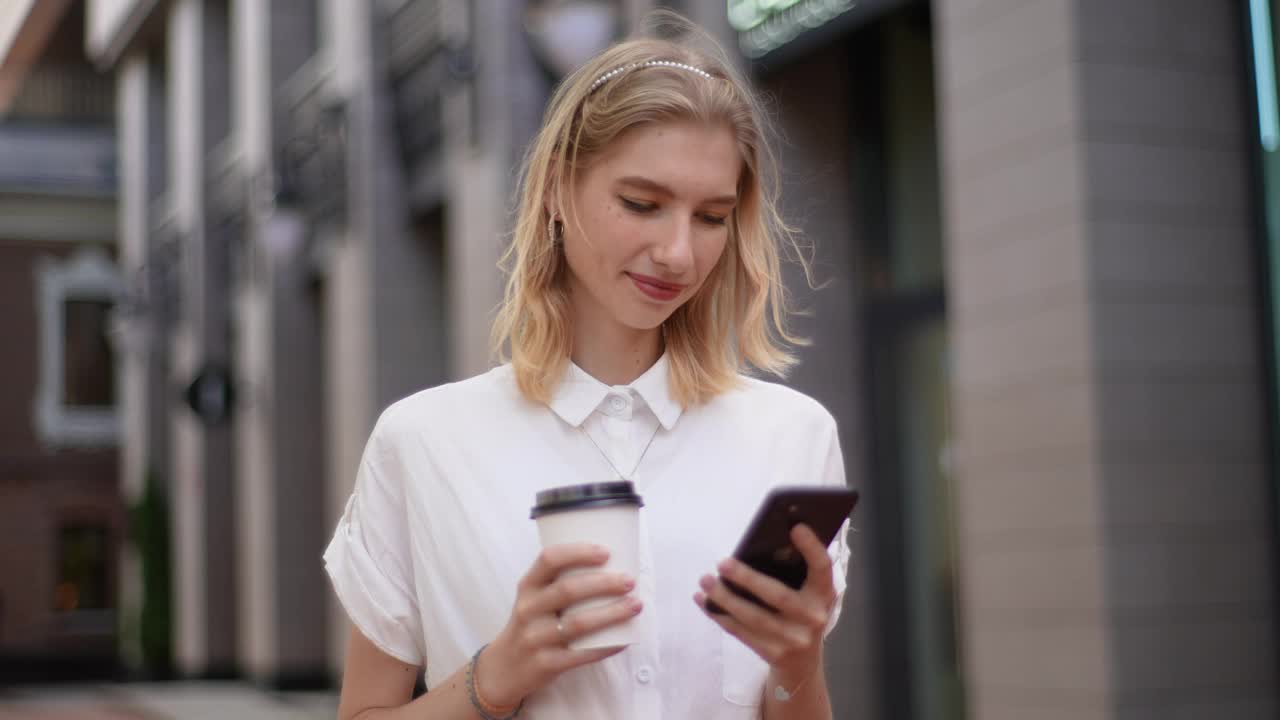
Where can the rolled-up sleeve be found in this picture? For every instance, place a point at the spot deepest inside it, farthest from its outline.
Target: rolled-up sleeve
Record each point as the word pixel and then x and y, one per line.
pixel 368 559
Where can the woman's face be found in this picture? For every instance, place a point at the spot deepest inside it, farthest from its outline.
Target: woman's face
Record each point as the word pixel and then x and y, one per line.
pixel 648 221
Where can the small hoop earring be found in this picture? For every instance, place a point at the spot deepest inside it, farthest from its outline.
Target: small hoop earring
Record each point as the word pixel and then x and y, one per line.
pixel 553 232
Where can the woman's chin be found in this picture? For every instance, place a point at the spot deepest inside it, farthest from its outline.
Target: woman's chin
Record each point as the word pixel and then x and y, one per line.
pixel 645 319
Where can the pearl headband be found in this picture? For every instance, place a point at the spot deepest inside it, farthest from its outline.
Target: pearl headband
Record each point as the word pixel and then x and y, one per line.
pixel 650 63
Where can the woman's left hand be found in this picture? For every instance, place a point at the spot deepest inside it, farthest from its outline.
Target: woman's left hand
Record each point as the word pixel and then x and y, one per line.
pixel 790 640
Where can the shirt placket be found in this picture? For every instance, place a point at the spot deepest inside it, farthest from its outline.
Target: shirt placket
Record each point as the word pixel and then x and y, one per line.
pixel 616 422
pixel 620 424
pixel 646 670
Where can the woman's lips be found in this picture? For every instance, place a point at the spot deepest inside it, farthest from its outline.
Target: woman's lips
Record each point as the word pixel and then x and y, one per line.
pixel 655 288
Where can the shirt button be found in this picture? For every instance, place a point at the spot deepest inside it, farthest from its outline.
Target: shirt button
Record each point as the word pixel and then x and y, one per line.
pixel 644 674
pixel 617 403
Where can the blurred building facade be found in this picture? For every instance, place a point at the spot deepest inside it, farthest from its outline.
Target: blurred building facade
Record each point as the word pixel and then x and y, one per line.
pixel 288 164
pixel 62 520
pixel 1045 331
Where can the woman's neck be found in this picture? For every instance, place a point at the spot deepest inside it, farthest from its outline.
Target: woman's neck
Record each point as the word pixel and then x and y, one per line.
pixel 619 365
pixel 611 352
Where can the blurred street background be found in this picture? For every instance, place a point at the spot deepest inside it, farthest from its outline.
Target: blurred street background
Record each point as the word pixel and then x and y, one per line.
pixel 233 231
pixel 191 700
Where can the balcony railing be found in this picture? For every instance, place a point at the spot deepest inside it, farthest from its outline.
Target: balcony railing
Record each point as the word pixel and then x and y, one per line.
pixel 57 159
pixel 65 94
pixel 419 65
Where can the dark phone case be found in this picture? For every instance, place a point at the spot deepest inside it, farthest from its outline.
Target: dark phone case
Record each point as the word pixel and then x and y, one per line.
pixel 766 545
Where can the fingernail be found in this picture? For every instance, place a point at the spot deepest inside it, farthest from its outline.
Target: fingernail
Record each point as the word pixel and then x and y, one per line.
pixel 707 582
pixel 629 583
pixel 726 565
pixel 635 604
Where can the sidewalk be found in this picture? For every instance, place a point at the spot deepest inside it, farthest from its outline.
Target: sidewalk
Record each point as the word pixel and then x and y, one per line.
pixel 164 701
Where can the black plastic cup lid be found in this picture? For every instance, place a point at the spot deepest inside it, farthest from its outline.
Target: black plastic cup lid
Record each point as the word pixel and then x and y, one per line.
pixel 579 497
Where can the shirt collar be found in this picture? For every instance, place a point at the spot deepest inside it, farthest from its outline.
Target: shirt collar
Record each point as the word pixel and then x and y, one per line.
pixel 578 394
pixel 654 387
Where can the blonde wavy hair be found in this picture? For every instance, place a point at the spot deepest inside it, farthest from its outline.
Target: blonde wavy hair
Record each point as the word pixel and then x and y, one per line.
pixel 738 318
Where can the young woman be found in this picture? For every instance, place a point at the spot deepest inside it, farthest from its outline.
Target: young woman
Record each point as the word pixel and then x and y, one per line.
pixel 644 283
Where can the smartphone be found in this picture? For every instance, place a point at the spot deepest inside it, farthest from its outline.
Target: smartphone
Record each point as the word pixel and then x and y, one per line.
pixel 766 546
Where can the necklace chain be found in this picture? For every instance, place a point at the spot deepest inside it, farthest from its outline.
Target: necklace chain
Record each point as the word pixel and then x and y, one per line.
pixel 631 475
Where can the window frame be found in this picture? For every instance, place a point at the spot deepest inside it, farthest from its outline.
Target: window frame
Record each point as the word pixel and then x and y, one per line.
pixel 87 275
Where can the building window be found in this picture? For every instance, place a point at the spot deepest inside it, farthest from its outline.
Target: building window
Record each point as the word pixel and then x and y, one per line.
pixel 88 367
pixel 83 597
pixel 83 577
pixel 76 388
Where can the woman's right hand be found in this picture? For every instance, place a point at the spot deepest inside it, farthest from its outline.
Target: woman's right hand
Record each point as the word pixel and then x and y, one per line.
pixel 532 649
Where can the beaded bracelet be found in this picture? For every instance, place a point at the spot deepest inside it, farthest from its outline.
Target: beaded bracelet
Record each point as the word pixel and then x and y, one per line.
pixel 486 711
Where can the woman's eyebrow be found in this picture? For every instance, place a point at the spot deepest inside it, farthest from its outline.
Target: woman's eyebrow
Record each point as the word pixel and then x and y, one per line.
pixel 643 183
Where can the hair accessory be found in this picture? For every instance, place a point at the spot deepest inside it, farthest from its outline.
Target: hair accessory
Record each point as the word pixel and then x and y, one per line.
pixel 648 63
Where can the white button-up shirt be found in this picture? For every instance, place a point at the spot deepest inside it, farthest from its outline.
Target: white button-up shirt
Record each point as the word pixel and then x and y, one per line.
pixel 437 533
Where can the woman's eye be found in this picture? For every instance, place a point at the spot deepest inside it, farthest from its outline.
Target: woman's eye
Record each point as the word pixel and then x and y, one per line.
pixel 713 219
pixel 636 205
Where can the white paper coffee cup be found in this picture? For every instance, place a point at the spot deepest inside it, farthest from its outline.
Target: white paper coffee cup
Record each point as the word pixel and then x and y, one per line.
pixel 605 514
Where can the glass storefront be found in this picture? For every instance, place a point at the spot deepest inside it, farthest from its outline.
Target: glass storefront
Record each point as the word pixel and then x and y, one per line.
pixel 1261 24
pixel 908 378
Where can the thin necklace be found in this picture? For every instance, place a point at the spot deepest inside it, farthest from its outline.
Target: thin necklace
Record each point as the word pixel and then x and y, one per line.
pixel 629 477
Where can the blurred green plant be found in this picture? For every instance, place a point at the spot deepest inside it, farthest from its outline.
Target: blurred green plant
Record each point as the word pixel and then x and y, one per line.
pixel 149 532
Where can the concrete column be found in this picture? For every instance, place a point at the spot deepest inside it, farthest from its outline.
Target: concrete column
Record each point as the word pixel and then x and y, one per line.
pixel 145 391
pixel 349 330
pixel 254 468
pixel 205 635
pixel 1190 540
pixel 1115 545
pixel 349 413
pixel 131 120
pixel 280 516
pixel 131 138
pixel 478 156
pixel 281 519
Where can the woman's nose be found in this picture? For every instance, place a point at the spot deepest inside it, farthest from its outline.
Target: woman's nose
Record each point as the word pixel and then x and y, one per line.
pixel 675 251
